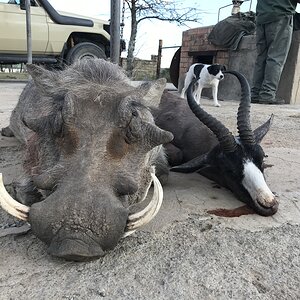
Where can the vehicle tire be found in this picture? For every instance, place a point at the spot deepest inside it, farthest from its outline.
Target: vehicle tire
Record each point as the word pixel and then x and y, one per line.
pixel 84 50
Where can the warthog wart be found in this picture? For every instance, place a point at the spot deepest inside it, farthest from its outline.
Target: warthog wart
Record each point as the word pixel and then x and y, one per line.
pixel 93 150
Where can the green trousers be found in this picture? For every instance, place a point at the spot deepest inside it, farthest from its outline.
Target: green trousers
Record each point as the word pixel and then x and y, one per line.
pixel 273 42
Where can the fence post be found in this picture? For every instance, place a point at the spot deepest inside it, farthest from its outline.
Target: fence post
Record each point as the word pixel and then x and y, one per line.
pixel 115 14
pixel 28 32
pixel 158 59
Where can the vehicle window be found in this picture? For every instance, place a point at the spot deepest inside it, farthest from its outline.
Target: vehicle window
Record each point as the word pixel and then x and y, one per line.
pixel 32 2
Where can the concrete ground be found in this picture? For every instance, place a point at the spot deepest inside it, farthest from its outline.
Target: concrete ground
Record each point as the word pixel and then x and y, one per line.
pixel 187 251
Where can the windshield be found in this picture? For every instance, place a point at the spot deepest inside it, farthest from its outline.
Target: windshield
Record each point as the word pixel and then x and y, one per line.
pixel 32 2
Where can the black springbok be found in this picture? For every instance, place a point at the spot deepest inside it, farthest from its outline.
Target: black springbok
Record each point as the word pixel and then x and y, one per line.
pixel 234 162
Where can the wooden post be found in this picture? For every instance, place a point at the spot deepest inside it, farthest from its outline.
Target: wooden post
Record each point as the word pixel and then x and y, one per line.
pixel 28 32
pixel 115 15
pixel 158 59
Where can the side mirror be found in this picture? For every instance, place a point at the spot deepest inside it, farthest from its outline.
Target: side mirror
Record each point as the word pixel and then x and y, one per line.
pixel 23 4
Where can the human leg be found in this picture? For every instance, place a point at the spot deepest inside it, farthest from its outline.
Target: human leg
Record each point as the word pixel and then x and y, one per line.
pixel 278 37
pixel 260 63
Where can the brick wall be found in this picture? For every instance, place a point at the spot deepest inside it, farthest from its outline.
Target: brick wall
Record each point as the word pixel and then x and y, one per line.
pixel 195 44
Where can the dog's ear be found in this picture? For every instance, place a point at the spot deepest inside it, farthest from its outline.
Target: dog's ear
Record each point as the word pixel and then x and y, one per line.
pixel 223 69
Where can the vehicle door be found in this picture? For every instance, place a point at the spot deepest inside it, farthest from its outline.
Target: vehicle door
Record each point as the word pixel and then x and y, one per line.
pixel 13 28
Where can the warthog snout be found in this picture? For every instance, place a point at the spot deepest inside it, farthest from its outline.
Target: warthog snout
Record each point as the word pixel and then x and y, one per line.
pixel 84 226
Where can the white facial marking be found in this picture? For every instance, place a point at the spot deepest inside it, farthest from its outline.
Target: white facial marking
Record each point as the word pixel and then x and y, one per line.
pixel 254 182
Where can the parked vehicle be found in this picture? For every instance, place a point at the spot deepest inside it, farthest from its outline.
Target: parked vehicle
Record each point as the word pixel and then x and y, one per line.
pixel 56 37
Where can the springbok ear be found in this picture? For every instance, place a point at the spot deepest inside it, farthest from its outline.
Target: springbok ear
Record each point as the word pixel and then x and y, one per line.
pixel 154 92
pixel 193 165
pixel 262 130
pixel 45 80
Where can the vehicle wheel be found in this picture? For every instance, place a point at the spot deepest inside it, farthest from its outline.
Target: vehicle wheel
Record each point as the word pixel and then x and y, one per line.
pixel 84 50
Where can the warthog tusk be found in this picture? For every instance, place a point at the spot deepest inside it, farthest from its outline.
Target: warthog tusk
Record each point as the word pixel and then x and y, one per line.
pixel 10 205
pixel 144 216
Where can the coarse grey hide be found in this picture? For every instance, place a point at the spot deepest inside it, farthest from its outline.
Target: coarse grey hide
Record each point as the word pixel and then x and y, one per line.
pixel 92 147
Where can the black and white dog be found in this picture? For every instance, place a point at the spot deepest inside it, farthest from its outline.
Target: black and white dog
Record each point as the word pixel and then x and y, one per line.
pixel 208 76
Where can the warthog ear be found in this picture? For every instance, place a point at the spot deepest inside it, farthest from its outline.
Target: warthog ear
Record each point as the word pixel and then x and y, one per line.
pixel 154 91
pixel 45 80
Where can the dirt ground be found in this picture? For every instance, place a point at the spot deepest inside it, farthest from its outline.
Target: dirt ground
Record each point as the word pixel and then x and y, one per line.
pixel 186 252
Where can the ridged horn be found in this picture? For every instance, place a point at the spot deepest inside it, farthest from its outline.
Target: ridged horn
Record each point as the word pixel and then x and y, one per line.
pixel 243 116
pixel 224 136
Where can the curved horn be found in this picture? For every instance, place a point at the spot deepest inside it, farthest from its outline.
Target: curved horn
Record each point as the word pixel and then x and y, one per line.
pixel 224 136
pixel 243 116
pixel 12 206
pixel 144 216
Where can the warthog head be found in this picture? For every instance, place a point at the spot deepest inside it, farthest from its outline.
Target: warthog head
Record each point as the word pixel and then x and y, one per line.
pixel 92 153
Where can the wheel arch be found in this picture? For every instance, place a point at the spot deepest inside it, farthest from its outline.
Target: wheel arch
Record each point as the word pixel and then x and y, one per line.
pixel 80 37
